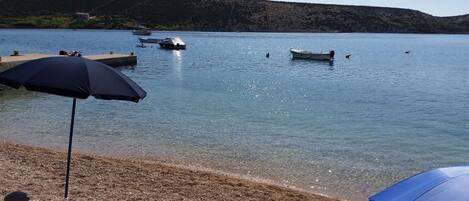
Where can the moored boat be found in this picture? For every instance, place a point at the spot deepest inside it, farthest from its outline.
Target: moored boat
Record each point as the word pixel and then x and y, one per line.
pixel 304 54
pixel 172 43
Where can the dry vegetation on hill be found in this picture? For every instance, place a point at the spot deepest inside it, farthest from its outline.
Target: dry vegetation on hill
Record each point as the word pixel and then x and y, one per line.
pixel 226 15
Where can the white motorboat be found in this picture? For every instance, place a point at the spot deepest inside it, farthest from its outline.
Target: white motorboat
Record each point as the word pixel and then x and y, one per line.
pixel 141 32
pixel 150 40
pixel 304 54
pixel 172 43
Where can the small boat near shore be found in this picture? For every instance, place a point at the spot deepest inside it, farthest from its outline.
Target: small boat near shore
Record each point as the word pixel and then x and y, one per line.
pixel 150 40
pixel 175 43
pixel 141 32
pixel 304 54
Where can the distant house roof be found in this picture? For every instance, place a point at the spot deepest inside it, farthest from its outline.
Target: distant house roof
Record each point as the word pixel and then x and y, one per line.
pixel 81 15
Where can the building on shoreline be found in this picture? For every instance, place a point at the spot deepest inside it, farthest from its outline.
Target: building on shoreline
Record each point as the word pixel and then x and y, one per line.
pixel 82 16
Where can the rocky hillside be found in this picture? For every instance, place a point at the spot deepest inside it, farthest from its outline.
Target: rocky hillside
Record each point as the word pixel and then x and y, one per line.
pixel 226 15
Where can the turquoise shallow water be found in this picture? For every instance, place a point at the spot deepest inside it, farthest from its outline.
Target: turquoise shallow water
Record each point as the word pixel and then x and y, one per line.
pixel 346 130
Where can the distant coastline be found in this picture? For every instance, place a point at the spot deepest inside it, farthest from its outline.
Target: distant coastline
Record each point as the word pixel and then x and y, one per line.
pixel 195 31
pixel 226 16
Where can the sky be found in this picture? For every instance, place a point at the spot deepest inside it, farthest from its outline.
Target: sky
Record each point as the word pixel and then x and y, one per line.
pixel 433 7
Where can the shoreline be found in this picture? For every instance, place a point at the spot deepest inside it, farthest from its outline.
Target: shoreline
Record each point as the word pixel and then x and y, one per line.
pixel 213 31
pixel 40 173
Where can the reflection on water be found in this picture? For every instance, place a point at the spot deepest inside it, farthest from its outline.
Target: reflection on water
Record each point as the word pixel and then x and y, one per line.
pixel 316 62
pixel 177 63
pixel 347 129
pixel 312 63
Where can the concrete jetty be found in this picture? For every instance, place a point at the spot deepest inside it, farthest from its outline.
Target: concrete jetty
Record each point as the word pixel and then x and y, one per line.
pixel 114 60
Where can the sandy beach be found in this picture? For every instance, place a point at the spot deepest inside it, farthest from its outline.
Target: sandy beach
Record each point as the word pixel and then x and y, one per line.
pixel 40 173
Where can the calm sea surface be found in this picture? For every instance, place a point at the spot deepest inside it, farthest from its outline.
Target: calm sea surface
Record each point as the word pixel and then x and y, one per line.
pixel 346 130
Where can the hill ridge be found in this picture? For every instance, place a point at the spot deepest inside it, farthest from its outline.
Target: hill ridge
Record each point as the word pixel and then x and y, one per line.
pixel 227 15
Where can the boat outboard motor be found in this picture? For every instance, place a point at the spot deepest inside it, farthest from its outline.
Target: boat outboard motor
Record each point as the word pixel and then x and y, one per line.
pixel 332 54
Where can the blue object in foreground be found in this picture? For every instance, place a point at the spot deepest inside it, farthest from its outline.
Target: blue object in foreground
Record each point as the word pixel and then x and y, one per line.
pixel 442 184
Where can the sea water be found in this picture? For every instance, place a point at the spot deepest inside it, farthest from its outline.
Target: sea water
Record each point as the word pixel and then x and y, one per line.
pixel 347 129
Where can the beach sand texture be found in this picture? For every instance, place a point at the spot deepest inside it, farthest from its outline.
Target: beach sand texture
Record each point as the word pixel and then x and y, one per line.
pixel 40 173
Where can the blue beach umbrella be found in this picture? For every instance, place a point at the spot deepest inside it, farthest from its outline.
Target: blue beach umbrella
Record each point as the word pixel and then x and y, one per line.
pixel 444 184
pixel 73 77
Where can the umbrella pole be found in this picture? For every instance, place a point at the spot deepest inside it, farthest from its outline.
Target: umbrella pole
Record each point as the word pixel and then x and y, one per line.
pixel 70 147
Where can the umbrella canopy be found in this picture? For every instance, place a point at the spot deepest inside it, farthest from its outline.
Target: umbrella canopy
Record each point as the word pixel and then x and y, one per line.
pixel 436 185
pixel 74 77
